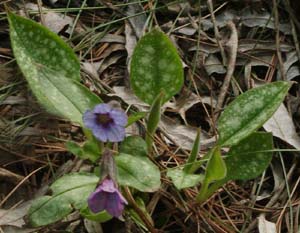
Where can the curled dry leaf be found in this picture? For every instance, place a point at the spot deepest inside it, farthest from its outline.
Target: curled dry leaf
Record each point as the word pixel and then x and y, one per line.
pixel 248 18
pixel 52 20
pixel 187 100
pixel 127 96
pixel 14 217
pixel 265 226
pixel 183 136
pixel 282 126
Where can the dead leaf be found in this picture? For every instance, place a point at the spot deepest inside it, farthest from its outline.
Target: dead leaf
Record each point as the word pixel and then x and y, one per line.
pixel 12 229
pixel 57 22
pixel 265 226
pixel 91 68
pixel 214 65
pixel 107 62
pixel 136 19
pixel 92 226
pixel 14 217
pixel 282 126
pixel 183 136
pixel 252 18
pixel 52 20
pixel 186 100
pixel 278 177
pixel 127 96
pixel 290 69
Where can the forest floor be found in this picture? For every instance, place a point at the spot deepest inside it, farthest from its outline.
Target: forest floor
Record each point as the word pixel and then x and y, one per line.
pixel 103 34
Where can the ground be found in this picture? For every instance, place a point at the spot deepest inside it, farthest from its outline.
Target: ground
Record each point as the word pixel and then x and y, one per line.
pixel 251 42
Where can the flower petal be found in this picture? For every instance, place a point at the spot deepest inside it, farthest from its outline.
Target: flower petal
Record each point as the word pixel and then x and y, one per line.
pixel 89 119
pixel 108 185
pixel 97 201
pixel 102 108
pixel 100 133
pixel 114 205
pixel 119 117
pixel 115 133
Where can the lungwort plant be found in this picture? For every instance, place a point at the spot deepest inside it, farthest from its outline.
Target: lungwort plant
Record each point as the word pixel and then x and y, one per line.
pixel 52 71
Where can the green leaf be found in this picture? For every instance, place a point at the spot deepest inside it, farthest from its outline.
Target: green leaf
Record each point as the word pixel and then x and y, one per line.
pixel 182 179
pixel 155 66
pixel 249 111
pixel 216 168
pixel 135 117
pixel 51 69
pixel 90 149
pixel 136 218
pixel 102 216
pixel 137 172
pixel 134 145
pixel 153 120
pixel 248 159
pixel 74 148
pixel 70 191
pixel 190 165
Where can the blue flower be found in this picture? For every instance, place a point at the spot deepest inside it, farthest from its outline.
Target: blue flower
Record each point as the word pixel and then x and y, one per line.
pixel 107 123
pixel 107 197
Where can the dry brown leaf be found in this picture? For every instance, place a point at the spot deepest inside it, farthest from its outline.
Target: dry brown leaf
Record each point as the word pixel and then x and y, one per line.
pixel 265 226
pixel 183 136
pixel 282 126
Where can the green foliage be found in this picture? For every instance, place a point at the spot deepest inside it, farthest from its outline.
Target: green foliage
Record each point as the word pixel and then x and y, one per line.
pixel 250 111
pixel 102 216
pixel 134 145
pixel 250 157
pixel 136 218
pixel 135 117
pixel 182 179
pixel 190 165
pixel 90 149
pixel 155 67
pixel 68 192
pixel 245 161
pixel 153 119
pixel 215 170
pixel 137 172
pixel 51 69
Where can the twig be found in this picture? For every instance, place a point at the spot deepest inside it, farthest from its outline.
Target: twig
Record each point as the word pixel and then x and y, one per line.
pixel 232 44
pixel 276 18
pixel 294 32
pixel 24 180
pixel 140 212
pixel 217 34
pixel 274 198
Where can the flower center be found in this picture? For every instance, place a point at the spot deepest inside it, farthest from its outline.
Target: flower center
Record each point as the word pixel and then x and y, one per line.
pixel 104 119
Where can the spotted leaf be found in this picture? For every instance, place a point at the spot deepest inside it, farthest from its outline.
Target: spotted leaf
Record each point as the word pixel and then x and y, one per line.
pixel 51 69
pixel 155 67
pixel 68 192
pixel 250 157
pixel 250 111
pixel 182 179
pixel 137 172
pixel 246 160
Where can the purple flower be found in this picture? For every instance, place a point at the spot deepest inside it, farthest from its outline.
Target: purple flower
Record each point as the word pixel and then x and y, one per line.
pixel 106 123
pixel 107 197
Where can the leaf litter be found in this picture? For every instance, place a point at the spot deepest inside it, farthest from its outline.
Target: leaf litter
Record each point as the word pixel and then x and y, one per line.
pixel 35 143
